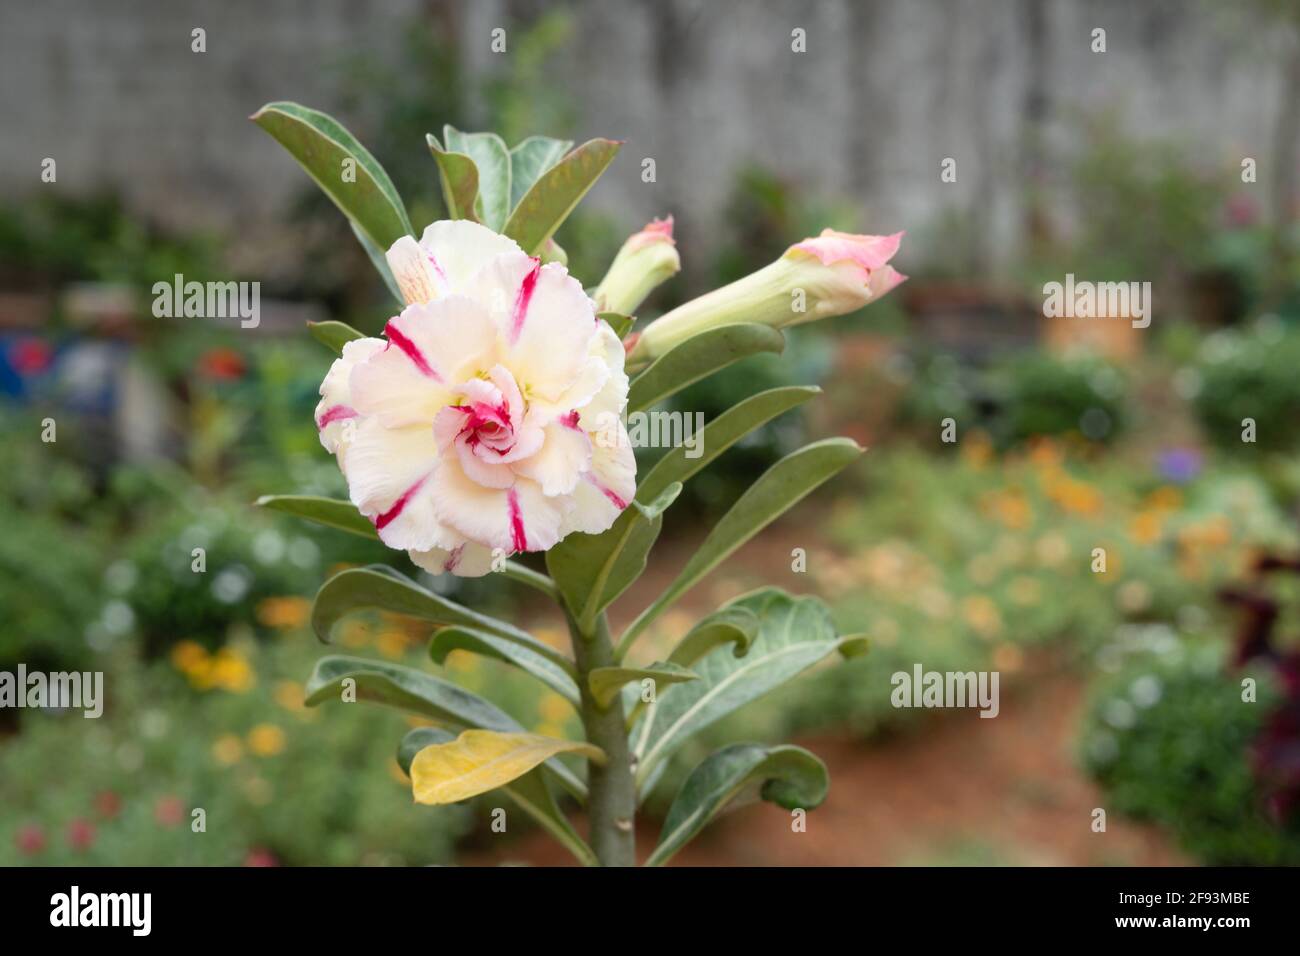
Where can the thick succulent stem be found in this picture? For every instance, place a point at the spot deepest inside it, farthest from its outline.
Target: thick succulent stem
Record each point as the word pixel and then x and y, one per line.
pixel 611 802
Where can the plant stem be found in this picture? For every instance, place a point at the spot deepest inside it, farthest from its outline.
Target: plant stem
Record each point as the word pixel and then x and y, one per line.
pixel 611 801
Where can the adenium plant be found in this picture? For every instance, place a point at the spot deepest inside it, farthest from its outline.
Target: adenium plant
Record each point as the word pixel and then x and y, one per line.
pixel 478 427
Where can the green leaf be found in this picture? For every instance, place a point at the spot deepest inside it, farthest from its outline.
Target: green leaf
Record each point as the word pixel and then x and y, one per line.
pixel 530 792
pixel 550 200
pixel 322 147
pixel 459 178
pixel 559 679
pixel 720 434
pixel 530 159
pixel 380 263
pixel 794 634
pixel 419 693
pixel 698 357
pixel 604 682
pixel 331 512
pixel 620 323
pixel 333 335
pixel 492 159
pixel 736 625
pixel 384 589
pixel 778 489
pixel 592 570
pixel 788 776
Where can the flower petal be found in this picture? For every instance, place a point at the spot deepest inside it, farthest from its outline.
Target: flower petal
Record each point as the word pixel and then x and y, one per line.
pixel 519 518
pixel 388 474
pixel 431 348
pixel 413 272
pixel 457 249
pixel 545 320
pixel 466 560
pixel 608 486
pixel 563 457
pixel 336 408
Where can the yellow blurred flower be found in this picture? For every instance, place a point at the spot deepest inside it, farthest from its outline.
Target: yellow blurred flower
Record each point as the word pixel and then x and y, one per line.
pixel 227 750
pixel 982 615
pixel 289 695
pixel 266 740
pixel 231 671
pixel 549 728
pixel 1008 658
pixel 1165 498
pixel 354 634
pixel 1146 527
pixel 283 613
pixel 189 657
pixel 977 449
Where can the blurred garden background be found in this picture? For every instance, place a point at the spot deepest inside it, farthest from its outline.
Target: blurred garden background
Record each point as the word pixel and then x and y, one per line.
pixel 1120 690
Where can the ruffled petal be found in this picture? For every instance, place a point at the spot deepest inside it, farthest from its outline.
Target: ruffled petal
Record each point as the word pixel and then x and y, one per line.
pixel 466 560
pixel 457 249
pixel 563 457
pixel 335 409
pixel 389 471
pixel 431 349
pixel 519 518
pixel 608 486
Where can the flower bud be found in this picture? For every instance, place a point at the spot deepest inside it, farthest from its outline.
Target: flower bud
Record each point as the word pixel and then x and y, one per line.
pixel 832 274
pixel 646 260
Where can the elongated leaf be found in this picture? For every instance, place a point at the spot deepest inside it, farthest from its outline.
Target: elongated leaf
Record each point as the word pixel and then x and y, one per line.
pixel 620 323
pixel 530 792
pixel 419 693
pixel 736 625
pixel 492 158
pixel 331 512
pixel 591 570
pixel 379 262
pixel 384 589
pixel 550 200
pixel 794 634
pixel 788 776
pixel 333 335
pixel 605 682
pixel 777 489
pixel 720 434
pixel 559 679
pixel 459 178
pixel 481 760
pixel 530 159
pixel 699 357
pixel 361 188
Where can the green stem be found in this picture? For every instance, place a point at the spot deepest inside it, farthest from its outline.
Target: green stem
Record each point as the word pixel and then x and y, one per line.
pixel 534 579
pixel 611 798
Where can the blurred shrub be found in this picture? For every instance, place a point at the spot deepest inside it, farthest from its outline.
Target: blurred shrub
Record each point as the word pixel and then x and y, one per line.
pixel 1019 397
pixel 1251 374
pixel 1168 737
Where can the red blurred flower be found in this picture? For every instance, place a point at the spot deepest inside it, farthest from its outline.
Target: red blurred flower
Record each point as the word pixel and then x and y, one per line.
pixel 81 834
pixel 108 804
pixel 30 356
pixel 30 839
pixel 169 811
pixel 260 857
pixel 222 365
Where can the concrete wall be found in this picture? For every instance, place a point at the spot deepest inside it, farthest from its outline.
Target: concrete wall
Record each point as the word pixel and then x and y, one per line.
pixel 885 91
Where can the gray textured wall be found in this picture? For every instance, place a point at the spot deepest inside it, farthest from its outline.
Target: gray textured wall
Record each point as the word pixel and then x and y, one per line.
pixel 887 89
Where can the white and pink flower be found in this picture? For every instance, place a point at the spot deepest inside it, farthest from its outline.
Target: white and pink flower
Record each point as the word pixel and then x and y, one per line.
pixel 468 430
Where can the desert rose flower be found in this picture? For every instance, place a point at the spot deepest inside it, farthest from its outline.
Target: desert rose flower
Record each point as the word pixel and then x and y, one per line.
pixel 646 260
pixel 831 274
pixel 468 429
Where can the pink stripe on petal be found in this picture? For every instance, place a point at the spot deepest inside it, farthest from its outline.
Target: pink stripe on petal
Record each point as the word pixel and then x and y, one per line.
pixel 335 413
pixel 518 538
pixel 454 558
pixel 523 299
pixel 389 516
pixel 570 420
pixel 613 496
pixel 412 351
pixel 437 268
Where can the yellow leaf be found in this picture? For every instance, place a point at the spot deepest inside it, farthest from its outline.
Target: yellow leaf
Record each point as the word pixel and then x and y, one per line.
pixel 481 760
